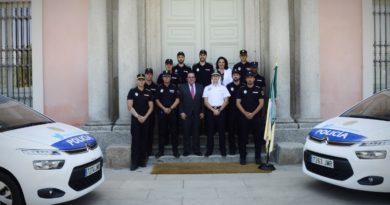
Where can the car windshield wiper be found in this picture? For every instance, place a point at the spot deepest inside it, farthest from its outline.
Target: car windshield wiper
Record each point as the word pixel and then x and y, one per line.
pixel 367 117
pixel 24 125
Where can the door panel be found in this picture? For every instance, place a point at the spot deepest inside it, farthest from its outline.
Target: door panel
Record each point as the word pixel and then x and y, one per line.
pixel 191 25
pixel 224 29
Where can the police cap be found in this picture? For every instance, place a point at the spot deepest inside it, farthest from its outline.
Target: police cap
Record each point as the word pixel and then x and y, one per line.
pixel 254 64
pixel 243 52
pixel 250 74
pixel 169 61
pixel 236 71
pixel 215 73
pixel 140 76
pixel 166 73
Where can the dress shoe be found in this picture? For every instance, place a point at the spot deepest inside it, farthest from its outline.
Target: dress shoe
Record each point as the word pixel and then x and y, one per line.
pixel 159 154
pixel 176 154
pixel 242 161
pixel 186 154
pixel 133 167
pixel 198 153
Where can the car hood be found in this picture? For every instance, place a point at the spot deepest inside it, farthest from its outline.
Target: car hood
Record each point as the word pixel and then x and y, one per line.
pixel 56 135
pixel 345 129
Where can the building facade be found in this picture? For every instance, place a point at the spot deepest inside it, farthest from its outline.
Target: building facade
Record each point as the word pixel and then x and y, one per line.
pixel 86 54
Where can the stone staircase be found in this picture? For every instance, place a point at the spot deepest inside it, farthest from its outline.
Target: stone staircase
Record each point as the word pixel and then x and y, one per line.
pixel 115 144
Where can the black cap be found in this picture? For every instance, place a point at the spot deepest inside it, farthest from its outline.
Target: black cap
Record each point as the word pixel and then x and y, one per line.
pixel 169 61
pixel 203 52
pixel 254 64
pixel 243 52
pixel 140 76
pixel 148 70
pixel 166 73
pixel 180 53
pixel 236 71
pixel 250 74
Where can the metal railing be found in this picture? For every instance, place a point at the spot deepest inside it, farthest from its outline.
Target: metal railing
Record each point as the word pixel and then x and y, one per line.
pixel 15 50
pixel 381 44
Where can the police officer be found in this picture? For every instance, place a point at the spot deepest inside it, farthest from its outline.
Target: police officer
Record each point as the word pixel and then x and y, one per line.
pixel 152 87
pixel 167 100
pixel 175 78
pixel 203 69
pixel 140 105
pixel 259 80
pixel 233 112
pixel 181 69
pixel 216 98
pixel 243 65
pixel 250 101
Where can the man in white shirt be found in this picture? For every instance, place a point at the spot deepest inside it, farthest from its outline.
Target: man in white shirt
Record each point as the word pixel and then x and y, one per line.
pixel 216 98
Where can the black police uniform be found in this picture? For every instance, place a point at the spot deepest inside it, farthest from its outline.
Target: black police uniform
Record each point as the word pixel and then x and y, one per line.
pixel 243 68
pixel 259 81
pixel 203 73
pixel 149 144
pixel 249 101
pixel 139 131
pixel 233 115
pixel 167 123
pixel 175 79
pixel 182 72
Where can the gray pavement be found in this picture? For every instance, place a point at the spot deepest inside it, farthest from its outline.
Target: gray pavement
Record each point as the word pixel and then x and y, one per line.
pixel 286 185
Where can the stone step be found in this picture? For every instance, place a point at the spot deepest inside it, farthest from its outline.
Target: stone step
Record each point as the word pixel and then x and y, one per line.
pixel 118 156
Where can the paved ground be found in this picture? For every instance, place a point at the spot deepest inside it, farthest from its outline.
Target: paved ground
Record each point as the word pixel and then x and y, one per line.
pixel 286 185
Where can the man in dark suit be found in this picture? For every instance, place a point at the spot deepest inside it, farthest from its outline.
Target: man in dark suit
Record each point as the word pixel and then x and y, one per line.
pixel 191 111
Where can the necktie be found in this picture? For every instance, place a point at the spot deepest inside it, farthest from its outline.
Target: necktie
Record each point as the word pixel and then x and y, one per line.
pixel 192 91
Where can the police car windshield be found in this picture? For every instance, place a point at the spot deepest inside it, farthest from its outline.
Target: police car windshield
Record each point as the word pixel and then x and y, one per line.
pixel 14 115
pixel 375 107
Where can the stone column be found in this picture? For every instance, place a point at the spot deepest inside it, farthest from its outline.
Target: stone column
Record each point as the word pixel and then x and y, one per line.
pixel 153 36
pixel 98 93
pixel 127 54
pixel 309 74
pixel 279 52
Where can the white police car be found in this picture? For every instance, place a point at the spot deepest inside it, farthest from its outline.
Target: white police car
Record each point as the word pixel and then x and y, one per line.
pixel 353 149
pixel 44 162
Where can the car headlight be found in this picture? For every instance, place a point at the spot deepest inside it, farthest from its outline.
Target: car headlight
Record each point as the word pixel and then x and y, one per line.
pixel 48 164
pixel 375 143
pixel 40 152
pixel 378 154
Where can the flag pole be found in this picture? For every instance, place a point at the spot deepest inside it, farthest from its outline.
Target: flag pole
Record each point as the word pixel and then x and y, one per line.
pixel 270 124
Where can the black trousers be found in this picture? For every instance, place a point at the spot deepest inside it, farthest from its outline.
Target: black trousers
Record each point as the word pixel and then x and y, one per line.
pixel 215 123
pixel 149 140
pixel 246 126
pixel 191 139
pixel 167 125
pixel 233 128
pixel 139 134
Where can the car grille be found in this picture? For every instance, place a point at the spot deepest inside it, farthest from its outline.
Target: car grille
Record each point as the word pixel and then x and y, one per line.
pixel 82 150
pixel 331 142
pixel 342 169
pixel 77 179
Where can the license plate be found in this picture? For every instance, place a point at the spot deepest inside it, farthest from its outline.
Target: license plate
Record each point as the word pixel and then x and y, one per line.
pixel 322 161
pixel 92 169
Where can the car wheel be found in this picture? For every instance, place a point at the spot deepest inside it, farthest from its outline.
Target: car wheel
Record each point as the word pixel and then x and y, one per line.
pixel 9 191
